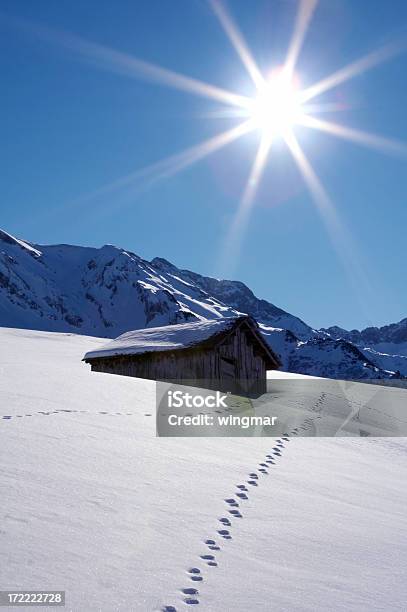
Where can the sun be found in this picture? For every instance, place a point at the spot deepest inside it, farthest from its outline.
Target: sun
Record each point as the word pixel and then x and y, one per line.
pixel 280 105
pixel 277 107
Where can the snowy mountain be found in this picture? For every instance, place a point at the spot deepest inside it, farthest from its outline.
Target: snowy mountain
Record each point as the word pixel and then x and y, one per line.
pixel 394 334
pixel 107 291
pixel 100 292
pixel 238 296
pixel 385 346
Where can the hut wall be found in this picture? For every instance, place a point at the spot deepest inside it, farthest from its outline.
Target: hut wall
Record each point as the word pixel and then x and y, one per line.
pixel 188 365
pixel 241 349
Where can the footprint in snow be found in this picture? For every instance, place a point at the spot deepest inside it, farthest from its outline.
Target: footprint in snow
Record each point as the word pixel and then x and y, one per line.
pixel 194 572
pixel 196 578
pixel 242 495
pixel 190 591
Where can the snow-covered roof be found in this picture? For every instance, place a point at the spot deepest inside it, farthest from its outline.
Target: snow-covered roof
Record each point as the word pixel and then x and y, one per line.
pixel 168 338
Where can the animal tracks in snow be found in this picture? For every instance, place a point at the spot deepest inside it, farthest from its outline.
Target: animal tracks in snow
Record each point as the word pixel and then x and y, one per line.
pixel 235 513
pixel 8 417
pixel 232 506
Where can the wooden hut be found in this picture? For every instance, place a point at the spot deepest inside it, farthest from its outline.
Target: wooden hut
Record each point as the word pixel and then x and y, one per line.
pixel 228 354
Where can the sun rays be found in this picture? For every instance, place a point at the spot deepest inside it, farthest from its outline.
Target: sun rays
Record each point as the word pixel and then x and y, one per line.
pixel 238 42
pixel 234 237
pixel 278 106
pixel 340 237
pixel 367 139
pixel 352 70
pixel 305 11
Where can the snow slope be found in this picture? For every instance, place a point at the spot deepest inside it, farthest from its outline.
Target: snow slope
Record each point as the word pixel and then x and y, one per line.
pixel 94 503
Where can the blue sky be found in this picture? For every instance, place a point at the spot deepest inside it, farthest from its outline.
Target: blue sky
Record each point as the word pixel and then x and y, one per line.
pixel 71 126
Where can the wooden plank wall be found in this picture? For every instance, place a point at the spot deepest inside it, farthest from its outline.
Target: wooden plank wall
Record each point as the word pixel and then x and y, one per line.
pixel 250 365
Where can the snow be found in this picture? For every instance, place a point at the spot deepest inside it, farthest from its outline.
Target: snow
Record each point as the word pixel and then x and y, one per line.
pixel 95 504
pixel 280 375
pixel 170 337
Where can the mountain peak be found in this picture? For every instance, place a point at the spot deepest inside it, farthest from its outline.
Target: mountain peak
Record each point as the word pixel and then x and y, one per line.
pixel 162 264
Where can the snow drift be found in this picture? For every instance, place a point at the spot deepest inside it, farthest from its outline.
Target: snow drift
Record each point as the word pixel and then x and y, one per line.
pixel 95 504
